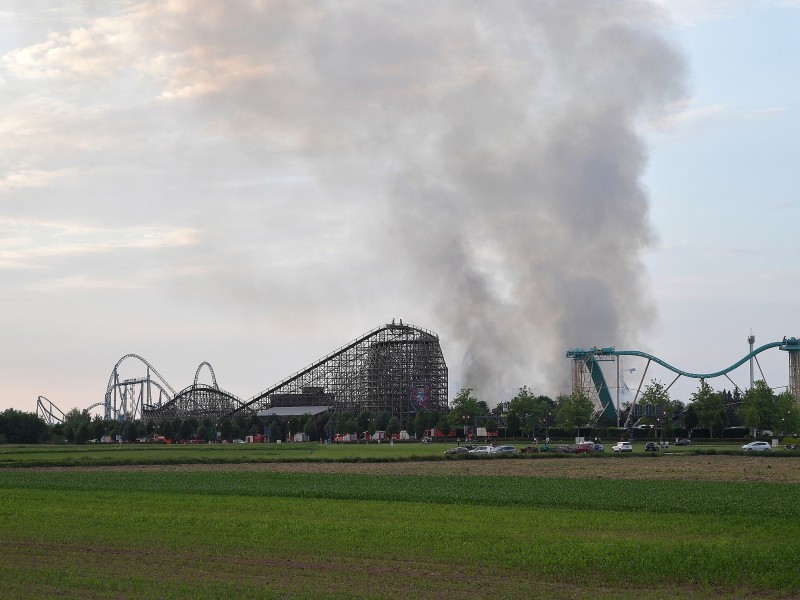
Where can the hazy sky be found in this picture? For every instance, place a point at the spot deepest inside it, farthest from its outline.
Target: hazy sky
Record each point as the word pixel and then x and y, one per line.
pixel 257 183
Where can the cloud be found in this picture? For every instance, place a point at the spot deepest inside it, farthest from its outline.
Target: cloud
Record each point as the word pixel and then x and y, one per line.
pixel 29 179
pixel 32 244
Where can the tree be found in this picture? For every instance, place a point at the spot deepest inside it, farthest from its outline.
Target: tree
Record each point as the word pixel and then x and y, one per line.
pixel 363 420
pixel 466 407
pixel 690 418
pixel 131 431
pixel 513 423
pixel 188 428
pixel 788 410
pixel 575 411
pixel 83 432
pixel 98 427
pixel 710 408
pixel 759 408
pixel 166 428
pixel 19 427
pixel 226 429
pixel 393 427
pixel 445 427
pixel 421 423
pixel 294 424
pixel 203 431
pixel 383 421
pixel 656 396
pixel 529 410
pixel 310 428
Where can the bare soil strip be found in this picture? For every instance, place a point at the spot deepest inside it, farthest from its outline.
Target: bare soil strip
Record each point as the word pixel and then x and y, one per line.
pixel 675 467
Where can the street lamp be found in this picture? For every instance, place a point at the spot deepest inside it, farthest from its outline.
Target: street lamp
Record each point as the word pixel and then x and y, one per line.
pixel 547 425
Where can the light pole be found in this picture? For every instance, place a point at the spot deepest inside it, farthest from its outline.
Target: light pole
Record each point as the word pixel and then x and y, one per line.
pixel 547 425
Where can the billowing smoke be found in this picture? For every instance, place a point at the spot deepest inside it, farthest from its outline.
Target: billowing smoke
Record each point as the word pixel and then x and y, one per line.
pixel 487 153
pixel 473 167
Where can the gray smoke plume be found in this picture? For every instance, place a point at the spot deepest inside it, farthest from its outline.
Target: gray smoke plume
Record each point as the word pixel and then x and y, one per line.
pixel 472 167
pixel 488 154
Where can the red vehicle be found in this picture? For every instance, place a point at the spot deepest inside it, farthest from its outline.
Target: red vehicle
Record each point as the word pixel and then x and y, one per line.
pixel 583 447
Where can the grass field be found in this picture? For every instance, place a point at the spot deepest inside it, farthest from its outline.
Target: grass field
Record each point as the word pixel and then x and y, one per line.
pixel 675 526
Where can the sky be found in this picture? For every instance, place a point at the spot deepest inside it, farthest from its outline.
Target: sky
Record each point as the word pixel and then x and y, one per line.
pixel 258 183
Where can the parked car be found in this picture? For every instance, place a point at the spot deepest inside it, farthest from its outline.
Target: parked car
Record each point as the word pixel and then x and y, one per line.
pixel 651 447
pixel 599 448
pixel 683 442
pixel 622 447
pixel 456 450
pixel 504 450
pixel 530 450
pixel 481 450
pixel 756 447
pixel 583 447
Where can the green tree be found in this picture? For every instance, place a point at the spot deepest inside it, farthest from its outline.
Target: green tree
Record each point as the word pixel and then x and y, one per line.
pixel 690 418
pixel 294 424
pixel 574 411
pixel 656 397
pixel 226 429
pixel 19 427
pixel 166 428
pixel 421 423
pixel 310 428
pixel 529 410
pixel 465 407
pixel 383 421
pixel 759 407
pixel 789 413
pixel 445 427
pixel 98 428
pixel 82 432
pixel 513 424
pixel 188 428
pixel 130 432
pixel 363 420
pixel 393 427
pixel 710 408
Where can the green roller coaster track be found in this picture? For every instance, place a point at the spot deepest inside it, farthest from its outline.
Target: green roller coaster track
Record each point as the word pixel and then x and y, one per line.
pixel 590 357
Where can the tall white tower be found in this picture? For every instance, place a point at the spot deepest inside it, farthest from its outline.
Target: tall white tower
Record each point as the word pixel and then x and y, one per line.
pixel 751 339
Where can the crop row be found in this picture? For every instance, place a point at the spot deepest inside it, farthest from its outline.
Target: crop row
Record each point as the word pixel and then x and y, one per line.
pixel 642 497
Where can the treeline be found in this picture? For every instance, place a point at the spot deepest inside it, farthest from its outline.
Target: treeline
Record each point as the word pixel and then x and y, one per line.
pixel 17 427
pixel 713 412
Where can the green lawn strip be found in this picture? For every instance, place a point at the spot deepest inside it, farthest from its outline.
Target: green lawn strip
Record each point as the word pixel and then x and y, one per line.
pixel 642 497
pixel 566 546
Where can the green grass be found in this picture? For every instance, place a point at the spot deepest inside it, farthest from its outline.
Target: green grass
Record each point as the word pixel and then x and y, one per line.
pixel 212 533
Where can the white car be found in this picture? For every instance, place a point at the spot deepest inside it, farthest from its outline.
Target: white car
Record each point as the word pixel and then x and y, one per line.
pixel 504 450
pixel 622 447
pixel 756 447
pixel 481 450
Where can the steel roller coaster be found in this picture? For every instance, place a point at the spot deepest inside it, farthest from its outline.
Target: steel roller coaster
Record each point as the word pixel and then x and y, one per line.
pixel 396 368
pixel 588 377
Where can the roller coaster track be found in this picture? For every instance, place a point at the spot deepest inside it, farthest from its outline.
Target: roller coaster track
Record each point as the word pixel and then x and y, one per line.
pixel 263 396
pixel 588 359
